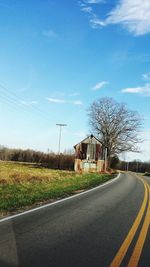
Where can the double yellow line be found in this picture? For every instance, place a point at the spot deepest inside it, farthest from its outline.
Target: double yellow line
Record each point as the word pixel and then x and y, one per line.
pixel 135 257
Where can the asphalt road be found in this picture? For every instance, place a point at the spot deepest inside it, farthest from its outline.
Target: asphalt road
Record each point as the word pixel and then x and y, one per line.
pixel 87 230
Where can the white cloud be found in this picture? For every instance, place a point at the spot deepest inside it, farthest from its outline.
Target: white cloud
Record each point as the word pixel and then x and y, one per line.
pixel 77 102
pixel 63 101
pixel 145 90
pixel 29 103
pixel 134 90
pixel 146 76
pixel 49 33
pixel 94 1
pixel 99 85
pixel 96 22
pixel 56 100
pixel 133 15
pixel 87 9
pixel 81 4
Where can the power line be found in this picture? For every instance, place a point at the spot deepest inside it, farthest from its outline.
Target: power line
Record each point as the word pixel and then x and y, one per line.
pixel 13 99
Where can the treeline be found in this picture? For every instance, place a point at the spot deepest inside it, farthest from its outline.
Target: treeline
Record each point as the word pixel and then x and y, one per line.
pixel 65 161
pixel 135 166
pixel 50 160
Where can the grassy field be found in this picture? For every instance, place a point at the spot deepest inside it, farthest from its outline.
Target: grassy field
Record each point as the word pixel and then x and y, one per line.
pixel 25 185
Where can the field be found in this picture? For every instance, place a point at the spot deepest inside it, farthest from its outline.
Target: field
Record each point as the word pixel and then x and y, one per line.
pixel 24 185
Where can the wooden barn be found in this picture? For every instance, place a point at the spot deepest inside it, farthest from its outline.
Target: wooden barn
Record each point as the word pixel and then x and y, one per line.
pixel 89 155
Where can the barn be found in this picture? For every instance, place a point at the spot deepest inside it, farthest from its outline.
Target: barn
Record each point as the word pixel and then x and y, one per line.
pixel 89 155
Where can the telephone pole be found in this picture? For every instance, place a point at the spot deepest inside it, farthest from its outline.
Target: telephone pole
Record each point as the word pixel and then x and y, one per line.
pixel 60 130
pixel 127 166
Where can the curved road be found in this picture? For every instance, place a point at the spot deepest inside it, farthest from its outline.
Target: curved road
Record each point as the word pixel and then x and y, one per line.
pixel 108 226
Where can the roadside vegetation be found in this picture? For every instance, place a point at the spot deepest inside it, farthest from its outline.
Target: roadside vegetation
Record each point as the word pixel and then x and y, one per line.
pixel 147 174
pixel 23 185
pixel 51 160
pixel 133 166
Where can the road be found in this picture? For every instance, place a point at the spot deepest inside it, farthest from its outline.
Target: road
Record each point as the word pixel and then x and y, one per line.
pixel 108 226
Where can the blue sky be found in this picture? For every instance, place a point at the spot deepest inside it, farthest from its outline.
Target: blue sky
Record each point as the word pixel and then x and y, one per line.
pixel 57 57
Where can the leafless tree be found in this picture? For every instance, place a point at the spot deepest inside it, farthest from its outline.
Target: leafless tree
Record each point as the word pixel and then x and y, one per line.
pixel 117 127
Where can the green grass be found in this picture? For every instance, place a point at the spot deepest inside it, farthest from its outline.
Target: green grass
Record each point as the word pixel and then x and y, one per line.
pixel 147 174
pixel 23 185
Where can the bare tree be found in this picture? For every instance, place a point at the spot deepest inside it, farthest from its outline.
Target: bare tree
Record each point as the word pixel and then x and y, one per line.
pixel 115 125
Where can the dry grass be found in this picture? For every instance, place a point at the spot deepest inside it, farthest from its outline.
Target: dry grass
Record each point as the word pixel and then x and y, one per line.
pixel 12 173
pixel 23 185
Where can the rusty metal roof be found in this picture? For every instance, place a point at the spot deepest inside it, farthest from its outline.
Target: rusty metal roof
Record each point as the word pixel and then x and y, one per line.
pixel 89 137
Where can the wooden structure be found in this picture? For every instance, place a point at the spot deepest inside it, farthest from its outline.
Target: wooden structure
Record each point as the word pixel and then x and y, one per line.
pixel 89 155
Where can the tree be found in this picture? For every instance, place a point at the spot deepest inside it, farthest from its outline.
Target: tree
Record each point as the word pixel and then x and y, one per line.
pixel 114 161
pixel 115 125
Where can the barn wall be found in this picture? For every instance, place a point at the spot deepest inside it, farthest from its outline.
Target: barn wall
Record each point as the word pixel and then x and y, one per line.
pixel 88 166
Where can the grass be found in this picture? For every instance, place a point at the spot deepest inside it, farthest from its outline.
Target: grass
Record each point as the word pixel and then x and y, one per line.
pixel 24 185
pixel 147 174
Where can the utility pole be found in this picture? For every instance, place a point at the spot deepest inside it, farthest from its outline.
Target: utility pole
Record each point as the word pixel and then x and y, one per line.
pixel 60 130
pixel 137 166
pixel 59 142
pixel 127 166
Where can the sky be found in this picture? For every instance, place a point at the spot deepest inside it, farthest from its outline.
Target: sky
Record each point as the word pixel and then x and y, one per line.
pixel 58 56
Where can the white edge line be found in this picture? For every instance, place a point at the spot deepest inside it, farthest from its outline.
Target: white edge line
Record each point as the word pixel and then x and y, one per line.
pixel 58 201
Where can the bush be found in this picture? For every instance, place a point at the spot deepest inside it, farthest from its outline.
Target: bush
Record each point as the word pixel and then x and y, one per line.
pixel 147 174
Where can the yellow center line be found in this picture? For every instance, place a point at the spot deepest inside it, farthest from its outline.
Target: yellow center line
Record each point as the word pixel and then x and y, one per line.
pixel 125 245
pixel 142 237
